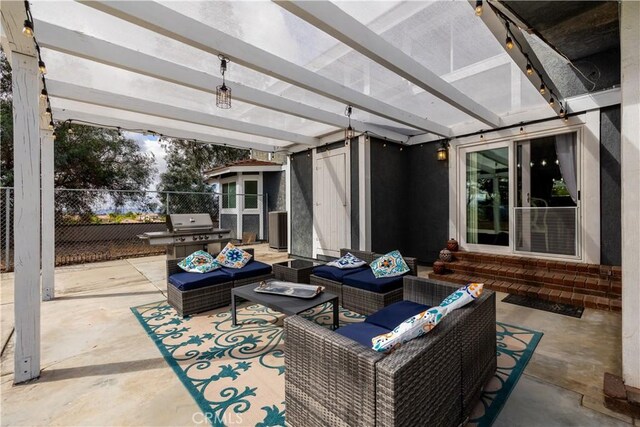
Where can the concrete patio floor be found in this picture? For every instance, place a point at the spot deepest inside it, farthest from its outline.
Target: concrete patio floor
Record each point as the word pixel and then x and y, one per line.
pixel 100 367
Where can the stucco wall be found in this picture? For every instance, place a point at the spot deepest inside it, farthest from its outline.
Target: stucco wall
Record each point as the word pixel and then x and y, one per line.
pixel 610 192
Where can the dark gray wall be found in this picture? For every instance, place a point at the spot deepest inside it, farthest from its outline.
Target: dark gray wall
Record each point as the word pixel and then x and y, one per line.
pixel 301 205
pixel 230 221
pixel 389 197
pixel 355 196
pixel 610 192
pixel 274 185
pixel 409 200
pixel 428 194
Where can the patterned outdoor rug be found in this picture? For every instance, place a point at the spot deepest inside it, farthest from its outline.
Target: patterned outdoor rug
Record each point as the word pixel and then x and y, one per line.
pixel 236 375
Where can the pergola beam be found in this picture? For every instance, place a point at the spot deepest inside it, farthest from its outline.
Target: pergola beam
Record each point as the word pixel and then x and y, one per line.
pixel 496 25
pixel 165 21
pixel 88 95
pixel 74 43
pixel 107 120
pixel 329 18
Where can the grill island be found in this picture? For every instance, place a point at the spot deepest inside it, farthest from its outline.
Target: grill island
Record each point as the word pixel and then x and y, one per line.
pixel 187 233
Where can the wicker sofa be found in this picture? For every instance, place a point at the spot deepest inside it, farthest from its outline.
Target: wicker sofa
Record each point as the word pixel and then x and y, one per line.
pixel 351 294
pixel 431 381
pixel 191 293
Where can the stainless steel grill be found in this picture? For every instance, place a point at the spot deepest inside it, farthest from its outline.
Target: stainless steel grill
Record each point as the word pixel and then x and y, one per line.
pixel 187 233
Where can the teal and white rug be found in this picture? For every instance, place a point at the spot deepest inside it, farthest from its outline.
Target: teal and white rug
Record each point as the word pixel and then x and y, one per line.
pixel 236 374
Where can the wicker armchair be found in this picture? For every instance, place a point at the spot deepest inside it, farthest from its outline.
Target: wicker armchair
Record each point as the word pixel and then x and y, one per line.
pixel 207 298
pixel 336 287
pixel 433 380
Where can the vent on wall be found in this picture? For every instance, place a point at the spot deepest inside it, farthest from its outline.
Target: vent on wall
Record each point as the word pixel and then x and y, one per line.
pixel 278 230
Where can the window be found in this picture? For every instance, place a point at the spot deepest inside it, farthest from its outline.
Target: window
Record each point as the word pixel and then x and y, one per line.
pixel 229 195
pixel 251 194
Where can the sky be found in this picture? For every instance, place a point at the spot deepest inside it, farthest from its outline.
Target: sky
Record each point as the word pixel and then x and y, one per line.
pixel 151 144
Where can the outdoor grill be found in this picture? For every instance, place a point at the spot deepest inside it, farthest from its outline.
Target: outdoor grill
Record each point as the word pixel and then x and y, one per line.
pixel 187 233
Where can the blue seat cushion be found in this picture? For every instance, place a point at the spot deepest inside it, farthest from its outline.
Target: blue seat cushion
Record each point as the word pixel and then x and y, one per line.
pixel 362 332
pixel 392 315
pixel 252 269
pixel 189 281
pixel 335 273
pixel 367 281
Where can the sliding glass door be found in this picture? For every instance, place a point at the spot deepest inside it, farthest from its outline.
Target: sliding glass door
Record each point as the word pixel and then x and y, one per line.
pixel 547 196
pixel 521 196
pixel 487 196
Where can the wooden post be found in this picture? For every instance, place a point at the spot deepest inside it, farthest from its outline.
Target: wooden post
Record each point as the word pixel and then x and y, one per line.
pixel 26 143
pixel 48 216
pixel 630 159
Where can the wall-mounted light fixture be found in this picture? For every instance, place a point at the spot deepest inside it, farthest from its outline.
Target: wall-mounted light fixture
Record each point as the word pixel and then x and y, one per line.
pixel 443 151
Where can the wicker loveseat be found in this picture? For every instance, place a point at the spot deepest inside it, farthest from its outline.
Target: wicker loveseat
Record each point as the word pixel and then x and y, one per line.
pixel 356 288
pixel 431 381
pixel 191 293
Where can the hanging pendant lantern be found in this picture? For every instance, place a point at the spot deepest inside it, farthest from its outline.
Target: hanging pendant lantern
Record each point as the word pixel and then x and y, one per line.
pixel 348 132
pixel 223 92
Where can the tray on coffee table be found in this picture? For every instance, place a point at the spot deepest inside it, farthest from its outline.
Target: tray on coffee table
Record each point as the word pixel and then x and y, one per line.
pixel 279 287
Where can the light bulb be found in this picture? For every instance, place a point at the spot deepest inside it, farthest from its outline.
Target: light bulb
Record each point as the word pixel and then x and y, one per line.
pixel 543 89
pixel 521 130
pixel 529 69
pixel 27 29
pixel 562 112
pixel 42 67
pixel 479 8
pixel 51 125
pixel 551 101
pixel 509 43
pixel 43 94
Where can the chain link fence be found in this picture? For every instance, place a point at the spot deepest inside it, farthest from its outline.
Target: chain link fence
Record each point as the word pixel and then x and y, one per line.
pixel 101 225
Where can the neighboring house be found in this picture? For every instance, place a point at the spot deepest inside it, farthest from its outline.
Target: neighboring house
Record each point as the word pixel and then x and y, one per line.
pixel 249 190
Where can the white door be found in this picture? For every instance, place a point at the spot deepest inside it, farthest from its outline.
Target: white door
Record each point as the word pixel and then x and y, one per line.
pixel 331 207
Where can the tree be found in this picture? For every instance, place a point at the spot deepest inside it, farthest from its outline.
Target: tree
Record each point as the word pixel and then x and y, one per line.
pixel 186 163
pixel 87 158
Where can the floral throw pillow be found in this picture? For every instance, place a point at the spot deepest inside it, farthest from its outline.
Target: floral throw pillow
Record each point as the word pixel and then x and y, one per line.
pixel 199 262
pixel 422 323
pixel 347 261
pixel 389 265
pixel 233 257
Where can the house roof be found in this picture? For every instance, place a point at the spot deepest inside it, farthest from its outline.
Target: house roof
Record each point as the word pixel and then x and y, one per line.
pixel 248 165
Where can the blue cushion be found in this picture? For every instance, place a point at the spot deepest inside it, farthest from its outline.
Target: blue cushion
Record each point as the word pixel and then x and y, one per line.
pixel 392 315
pixel 190 281
pixel 335 273
pixel 367 281
pixel 251 269
pixel 362 332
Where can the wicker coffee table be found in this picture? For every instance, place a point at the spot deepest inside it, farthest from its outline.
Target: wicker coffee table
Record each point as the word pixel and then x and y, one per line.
pixel 282 303
pixel 294 270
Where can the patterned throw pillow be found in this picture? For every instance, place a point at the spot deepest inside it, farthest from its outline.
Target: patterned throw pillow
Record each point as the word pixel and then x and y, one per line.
pixel 347 261
pixel 389 265
pixel 422 323
pixel 233 257
pixel 199 262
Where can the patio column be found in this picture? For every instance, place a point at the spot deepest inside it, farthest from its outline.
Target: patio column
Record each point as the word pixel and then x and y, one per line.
pixel 26 143
pixel 630 159
pixel 48 215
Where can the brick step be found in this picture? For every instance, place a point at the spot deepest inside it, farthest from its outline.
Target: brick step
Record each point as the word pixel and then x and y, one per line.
pixel 543 293
pixel 590 270
pixel 563 281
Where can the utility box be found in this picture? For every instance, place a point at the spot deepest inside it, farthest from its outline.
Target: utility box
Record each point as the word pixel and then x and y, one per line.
pixel 278 237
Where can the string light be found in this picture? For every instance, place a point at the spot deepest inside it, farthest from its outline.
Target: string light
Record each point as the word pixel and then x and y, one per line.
pixel 562 113
pixel 508 42
pixel 479 8
pixel 521 130
pixel 551 101
pixel 543 88
pixel 48 112
pixel 42 67
pixel 44 94
pixel 27 29
pixel 529 69
pixel 51 125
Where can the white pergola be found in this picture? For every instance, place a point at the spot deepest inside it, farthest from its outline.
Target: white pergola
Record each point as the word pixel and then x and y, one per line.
pixel 413 71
